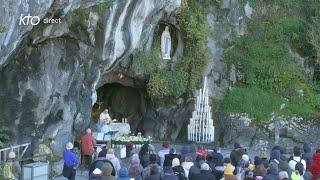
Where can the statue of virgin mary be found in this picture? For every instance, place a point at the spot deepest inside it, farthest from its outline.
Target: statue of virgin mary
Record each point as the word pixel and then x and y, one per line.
pixel 166 44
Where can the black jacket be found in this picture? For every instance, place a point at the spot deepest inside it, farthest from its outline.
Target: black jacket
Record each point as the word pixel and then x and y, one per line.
pixel 179 172
pixel 271 175
pixel 153 177
pixel 168 159
pixel 204 175
pixel 195 169
pixel 236 156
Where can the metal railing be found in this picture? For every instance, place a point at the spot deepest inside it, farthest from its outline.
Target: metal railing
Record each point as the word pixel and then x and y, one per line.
pixel 18 149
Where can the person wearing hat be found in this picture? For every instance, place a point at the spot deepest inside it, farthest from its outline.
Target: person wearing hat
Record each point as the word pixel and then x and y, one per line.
pixel 205 173
pixel 178 169
pixel 236 154
pixel 164 151
pixel 202 153
pixel 245 166
pixel 11 168
pixel 169 157
pixel 228 173
pixel 123 174
pixel 97 172
pixel 71 162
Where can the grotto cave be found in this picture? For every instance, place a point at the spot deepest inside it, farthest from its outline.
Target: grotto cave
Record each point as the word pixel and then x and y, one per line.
pixel 122 102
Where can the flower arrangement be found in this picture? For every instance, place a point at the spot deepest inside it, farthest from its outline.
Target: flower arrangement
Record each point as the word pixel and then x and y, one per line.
pixel 120 140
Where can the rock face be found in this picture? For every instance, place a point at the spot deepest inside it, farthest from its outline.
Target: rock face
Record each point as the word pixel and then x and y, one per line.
pixel 49 72
pixel 227 22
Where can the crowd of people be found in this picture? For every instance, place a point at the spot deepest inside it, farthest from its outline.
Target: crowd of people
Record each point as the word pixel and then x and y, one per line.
pixel 194 163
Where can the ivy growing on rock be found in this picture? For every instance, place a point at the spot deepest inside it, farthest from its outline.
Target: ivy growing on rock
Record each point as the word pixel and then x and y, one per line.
pixel 186 74
pixel 4 136
pixel 271 77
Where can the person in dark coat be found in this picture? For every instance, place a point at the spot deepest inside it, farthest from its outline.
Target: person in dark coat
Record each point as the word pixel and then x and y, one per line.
pixel 144 155
pixel 104 160
pixel 307 154
pixel 154 174
pixel 218 170
pixel 205 173
pixel 195 169
pixel 217 158
pixel 259 169
pixel 209 160
pixel 236 154
pixel 153 163
pixel 264 158
pixel 97 172
pixel 178 169
pixel 168 174
pixel 272 172
pixel 282 164
pixel 169 157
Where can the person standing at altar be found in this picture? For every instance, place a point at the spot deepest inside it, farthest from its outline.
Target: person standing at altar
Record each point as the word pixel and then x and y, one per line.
pixel 105 117
pixel 88 144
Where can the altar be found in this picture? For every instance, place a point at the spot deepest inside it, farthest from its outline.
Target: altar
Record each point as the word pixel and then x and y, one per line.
pixel 115 130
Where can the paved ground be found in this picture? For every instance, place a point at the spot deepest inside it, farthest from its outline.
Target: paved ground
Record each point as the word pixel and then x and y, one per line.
pixel 81 175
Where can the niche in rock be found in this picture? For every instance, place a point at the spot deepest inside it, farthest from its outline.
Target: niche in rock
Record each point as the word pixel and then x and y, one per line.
pixel 122 102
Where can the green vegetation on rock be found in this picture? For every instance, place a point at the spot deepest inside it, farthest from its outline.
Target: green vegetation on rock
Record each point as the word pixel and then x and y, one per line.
pixel 186 74
pixel 3 29
pixel 270 75
pixel 4 136
pixel 146 62
pixel 253 101
pixel 80 16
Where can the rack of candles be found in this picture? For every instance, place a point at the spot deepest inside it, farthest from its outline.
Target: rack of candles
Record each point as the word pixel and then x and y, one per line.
pixel 201 127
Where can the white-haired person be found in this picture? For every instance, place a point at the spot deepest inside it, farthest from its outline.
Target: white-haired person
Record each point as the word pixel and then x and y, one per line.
pixel 71 162
pixel 88 145
pixel 105 117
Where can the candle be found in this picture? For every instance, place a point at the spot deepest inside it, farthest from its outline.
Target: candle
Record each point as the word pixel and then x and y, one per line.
pixel 200 128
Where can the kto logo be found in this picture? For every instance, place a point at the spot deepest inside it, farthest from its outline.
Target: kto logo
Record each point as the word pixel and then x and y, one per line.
pixel 25 20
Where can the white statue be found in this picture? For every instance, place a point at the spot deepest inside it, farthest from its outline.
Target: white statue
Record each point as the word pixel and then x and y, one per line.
pixel 166 44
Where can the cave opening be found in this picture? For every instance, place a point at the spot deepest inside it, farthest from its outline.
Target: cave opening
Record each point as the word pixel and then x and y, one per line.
pixel 122 102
